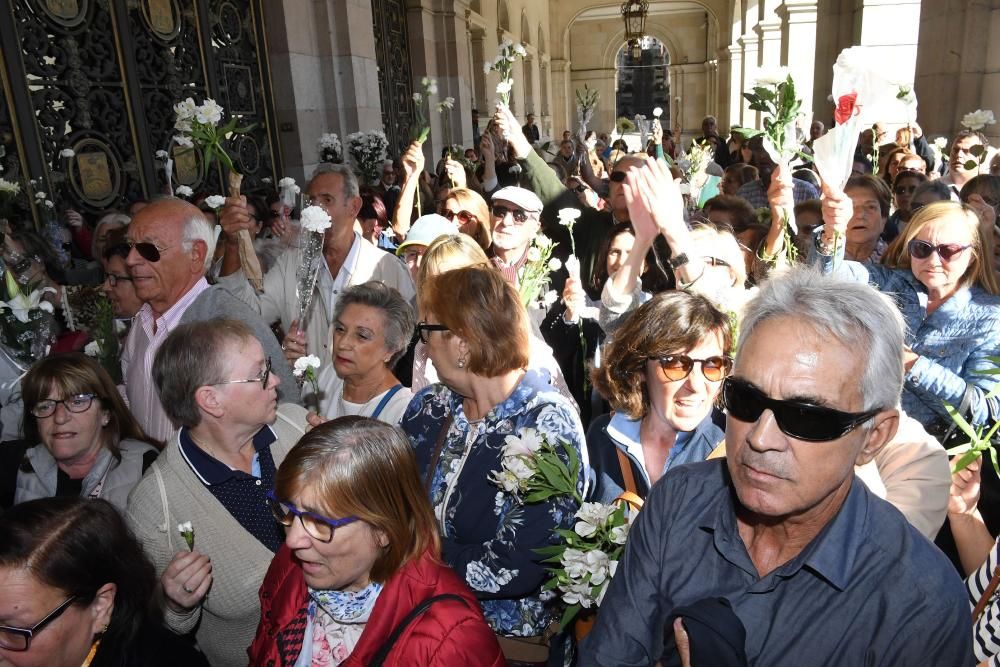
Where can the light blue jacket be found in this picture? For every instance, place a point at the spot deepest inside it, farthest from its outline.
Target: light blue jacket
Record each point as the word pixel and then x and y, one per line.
pixel 953 342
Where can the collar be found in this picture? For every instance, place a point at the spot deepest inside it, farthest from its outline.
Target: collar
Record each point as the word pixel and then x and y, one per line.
pixel 350 263
pixel 831 554
pixel 171 316
pixel 625 432
pixel 516 265
pixel 209 469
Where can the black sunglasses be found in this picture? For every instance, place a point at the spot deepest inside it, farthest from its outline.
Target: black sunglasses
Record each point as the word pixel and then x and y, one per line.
pixel 947 251
pixel 148 251
pixel 516 213
pixel 423 328
pixel 617 176
pixel 796 419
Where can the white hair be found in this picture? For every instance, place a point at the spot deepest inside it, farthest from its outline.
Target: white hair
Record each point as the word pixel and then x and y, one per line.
pixel 840 310
pixel 198 228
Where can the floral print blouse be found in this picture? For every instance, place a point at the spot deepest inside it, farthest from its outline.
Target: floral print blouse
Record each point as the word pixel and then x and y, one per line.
pixel 487 536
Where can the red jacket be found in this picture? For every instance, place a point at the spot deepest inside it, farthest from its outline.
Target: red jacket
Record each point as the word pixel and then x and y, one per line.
pixel 447 634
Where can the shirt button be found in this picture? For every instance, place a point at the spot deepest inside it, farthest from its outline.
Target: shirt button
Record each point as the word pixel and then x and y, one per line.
pixel 258 482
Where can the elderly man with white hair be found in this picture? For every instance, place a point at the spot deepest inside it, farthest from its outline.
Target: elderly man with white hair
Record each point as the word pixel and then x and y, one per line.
pixel 779 549
pixel 171 244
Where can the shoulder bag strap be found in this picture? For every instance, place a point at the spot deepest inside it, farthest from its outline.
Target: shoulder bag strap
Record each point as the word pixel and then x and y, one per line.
pixel 165 526
pixel 963 410
pixel 987 595
pixel 436 455
pixel 379 658
pixel 626 466
pixel 385 399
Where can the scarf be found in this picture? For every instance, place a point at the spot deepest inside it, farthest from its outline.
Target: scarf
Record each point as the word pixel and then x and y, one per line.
pixel 338 618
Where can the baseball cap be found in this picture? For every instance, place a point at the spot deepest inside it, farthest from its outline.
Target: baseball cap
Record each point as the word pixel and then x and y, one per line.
pixel 526 199
pixel 426 229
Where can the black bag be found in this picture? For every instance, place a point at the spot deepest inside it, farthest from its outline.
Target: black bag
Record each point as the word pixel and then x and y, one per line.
pixel 414 614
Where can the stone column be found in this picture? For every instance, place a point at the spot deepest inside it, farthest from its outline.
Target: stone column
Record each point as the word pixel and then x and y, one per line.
pixel 799 17
pixel 562 95
pixel 751 51
pixel 735 83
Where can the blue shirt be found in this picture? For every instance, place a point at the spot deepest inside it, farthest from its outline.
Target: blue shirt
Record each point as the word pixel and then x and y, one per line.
pixel 867 590
pixel 244 496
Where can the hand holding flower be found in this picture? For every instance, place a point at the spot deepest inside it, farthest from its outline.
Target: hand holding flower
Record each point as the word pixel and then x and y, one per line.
pixel 511 130
pixel 186 580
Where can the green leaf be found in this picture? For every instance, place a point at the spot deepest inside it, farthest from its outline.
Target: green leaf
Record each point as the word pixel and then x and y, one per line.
pixel 568 616
pixel 971 164
pixel 977 150
pixel 993 458
pixel 964 460
pixel 548 552
pixel 961 423
pixel 226 129
pixel 539 496
pixel 245 128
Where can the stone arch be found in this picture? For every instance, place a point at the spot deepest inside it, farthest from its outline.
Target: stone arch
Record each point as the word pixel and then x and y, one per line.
pixel 613 46
pixel 503 15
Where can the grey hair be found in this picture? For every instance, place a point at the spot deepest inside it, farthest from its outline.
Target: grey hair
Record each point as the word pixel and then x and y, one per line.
pixel 400 319
pixel 840 310
pixel 937 188
pixel 192 357
pixel 198 228
pixel 350 180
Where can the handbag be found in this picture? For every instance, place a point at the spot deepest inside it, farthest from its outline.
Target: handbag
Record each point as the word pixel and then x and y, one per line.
pixel 379 658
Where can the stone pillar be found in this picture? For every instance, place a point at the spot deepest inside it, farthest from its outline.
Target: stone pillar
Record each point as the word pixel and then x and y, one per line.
pixel 562 95
pixel 798 50
pixel 751 51
pixel 735 84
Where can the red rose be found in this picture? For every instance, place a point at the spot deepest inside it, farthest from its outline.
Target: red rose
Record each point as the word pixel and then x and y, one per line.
pixel 845 108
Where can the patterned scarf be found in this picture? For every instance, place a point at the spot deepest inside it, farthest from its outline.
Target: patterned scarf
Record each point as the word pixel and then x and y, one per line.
pixel 338 619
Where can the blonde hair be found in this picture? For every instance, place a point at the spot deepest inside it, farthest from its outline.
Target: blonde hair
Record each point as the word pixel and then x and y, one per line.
pixel 472 201
pixel 445 253
pixel 980 271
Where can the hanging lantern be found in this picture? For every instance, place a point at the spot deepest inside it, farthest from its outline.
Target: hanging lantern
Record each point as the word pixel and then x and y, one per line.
pixel 634 13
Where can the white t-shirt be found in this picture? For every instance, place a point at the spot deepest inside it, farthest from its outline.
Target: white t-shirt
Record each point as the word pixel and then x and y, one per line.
pixel 333 405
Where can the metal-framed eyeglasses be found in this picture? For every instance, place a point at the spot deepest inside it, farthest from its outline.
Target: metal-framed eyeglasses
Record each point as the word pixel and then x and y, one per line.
pixel 262 378
pixel 318 526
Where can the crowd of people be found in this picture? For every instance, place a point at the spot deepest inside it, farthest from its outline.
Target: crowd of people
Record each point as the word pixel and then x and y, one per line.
pixel 249 480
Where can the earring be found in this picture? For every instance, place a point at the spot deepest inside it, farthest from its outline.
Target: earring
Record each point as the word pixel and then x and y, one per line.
pixel 461 363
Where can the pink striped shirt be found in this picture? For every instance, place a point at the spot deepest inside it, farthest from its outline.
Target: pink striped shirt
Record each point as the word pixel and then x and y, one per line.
pixel 137 362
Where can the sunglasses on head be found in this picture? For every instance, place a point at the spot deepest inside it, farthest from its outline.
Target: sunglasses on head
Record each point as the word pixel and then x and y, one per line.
pixel 946 251
pixel 463 216
pixel 796 419
pixel 516 213
pixel 678 366
pixel 617 176
pixel 148 251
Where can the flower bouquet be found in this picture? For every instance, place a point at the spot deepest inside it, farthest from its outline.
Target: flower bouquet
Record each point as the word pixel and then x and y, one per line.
pixel 503 65
pixel 694 165
pixel 330 148
pixel 315 221
pixel 105 345
pixel 27 325
pixel 534 276
pixel 367 151
pixel 977 122
pixel 533 471
pixel 199 127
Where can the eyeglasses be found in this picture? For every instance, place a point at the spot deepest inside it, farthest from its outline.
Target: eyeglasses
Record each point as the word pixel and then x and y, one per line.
pixel 317 525
pixel 19 639
pixel 77 403
pixel 796 419
pixel 904 189
pixel 517 214
pixel 617 176
pixel 678 366
pixel 262 378
pixel 114 278
pixel 148 251
pixel 423 328
pixel 947 251
pixel 463 216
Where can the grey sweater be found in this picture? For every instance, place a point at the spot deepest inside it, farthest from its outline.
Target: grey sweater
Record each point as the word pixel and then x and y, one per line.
pixel 227 618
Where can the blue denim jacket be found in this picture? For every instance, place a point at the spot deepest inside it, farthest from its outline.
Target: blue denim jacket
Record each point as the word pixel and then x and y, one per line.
pixel 953 342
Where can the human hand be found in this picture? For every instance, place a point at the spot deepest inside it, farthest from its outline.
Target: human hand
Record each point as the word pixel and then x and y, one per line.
pixel 660 198
pixel 294 343
pixel 413 160
pixel 486 152
pixel 683 642
pixel 186 580
pixel 986 212
pixel 781 196
pixel 73 218
pixel 838 209
pixel 313 420
pixel 512 131
pixel 915 131
pixel 234 218
pixel 455 173
pixel 574 297
pixel 279 224
pixel 965 488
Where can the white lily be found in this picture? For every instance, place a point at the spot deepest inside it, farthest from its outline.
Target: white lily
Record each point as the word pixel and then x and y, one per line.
pixel 21 304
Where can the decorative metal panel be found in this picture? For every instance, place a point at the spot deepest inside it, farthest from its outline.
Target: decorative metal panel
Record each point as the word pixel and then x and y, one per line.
pixel 392 51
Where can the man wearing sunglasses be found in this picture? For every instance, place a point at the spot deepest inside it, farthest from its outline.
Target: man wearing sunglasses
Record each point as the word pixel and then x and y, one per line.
pixel 515 214
pixel 816 568
pixel 170 247
pixel 349 260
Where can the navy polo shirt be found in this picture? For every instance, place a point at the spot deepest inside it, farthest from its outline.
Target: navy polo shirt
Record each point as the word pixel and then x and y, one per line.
pixel 244 496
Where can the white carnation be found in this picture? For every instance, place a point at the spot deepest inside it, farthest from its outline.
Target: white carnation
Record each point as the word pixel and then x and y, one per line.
pixel 183 191
pixel 504 86
pixel 657 112
pixel 418 98
pixel 771 76
pixel 555 264
pixel 550 297
pixel 215 201
pixel 92 349
pixel 67 152
pixel 568 216
pixel 520 50
pixel 487 67
pixel 315 219
pixel 978 119
pixel 302 364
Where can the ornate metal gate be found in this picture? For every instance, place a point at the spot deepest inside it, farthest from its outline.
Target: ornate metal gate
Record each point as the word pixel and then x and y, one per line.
pixel 100 77
pixel 392 52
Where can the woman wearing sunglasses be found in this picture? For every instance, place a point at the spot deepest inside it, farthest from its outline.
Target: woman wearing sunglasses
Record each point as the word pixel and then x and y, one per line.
pixel 215 382
pixel 77 590
pixel 943 282
pixel 80 439
pixel 360 576
pixel 661 373
pixel 467 209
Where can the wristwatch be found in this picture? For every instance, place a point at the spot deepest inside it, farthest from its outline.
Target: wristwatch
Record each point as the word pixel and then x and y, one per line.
pixel 677 262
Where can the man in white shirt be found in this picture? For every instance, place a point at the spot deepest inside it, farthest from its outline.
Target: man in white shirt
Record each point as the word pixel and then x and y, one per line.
pixel 349 260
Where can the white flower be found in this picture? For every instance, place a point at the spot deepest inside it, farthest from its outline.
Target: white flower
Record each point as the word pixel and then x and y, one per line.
pixel 67 152
pixel 550 297
pixel 568 216
pixel 534 254
pixel 209 113
pixel 978 119
pixel 543 242
pixel 592 517
pixel 266 179
pixel 446 103
pixel 183 126
pixel 618 535
pixel 771 76
pixel 657 112
pixel 577 593
pixel 529 442
pixel 186 109
pixel 506 43
pixel 183 191
pixel 182 140
pixel 49 204
pixel 120 326
pixel 941 142
pixel 22 304
pixel 288 183
pixel 185 527
pixel 574 562
pixel 418 98
pixel 432 89
pixel 504 86
pixel 40 196
pixel 162 155
pixel 598 564
pixel 9 187
pixel 555 264
pixel 518 467
pixel 487 67
pixel 92 349
pixel 520 50
pixel 215 201
pixel 302 364
pixel 315 219
pixel 507 481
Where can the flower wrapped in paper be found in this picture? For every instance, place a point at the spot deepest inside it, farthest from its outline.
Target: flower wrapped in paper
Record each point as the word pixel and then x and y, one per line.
pixel 27 325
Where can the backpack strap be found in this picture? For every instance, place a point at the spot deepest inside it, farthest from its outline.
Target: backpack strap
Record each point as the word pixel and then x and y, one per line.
pixel 385 400
pixel 379 658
